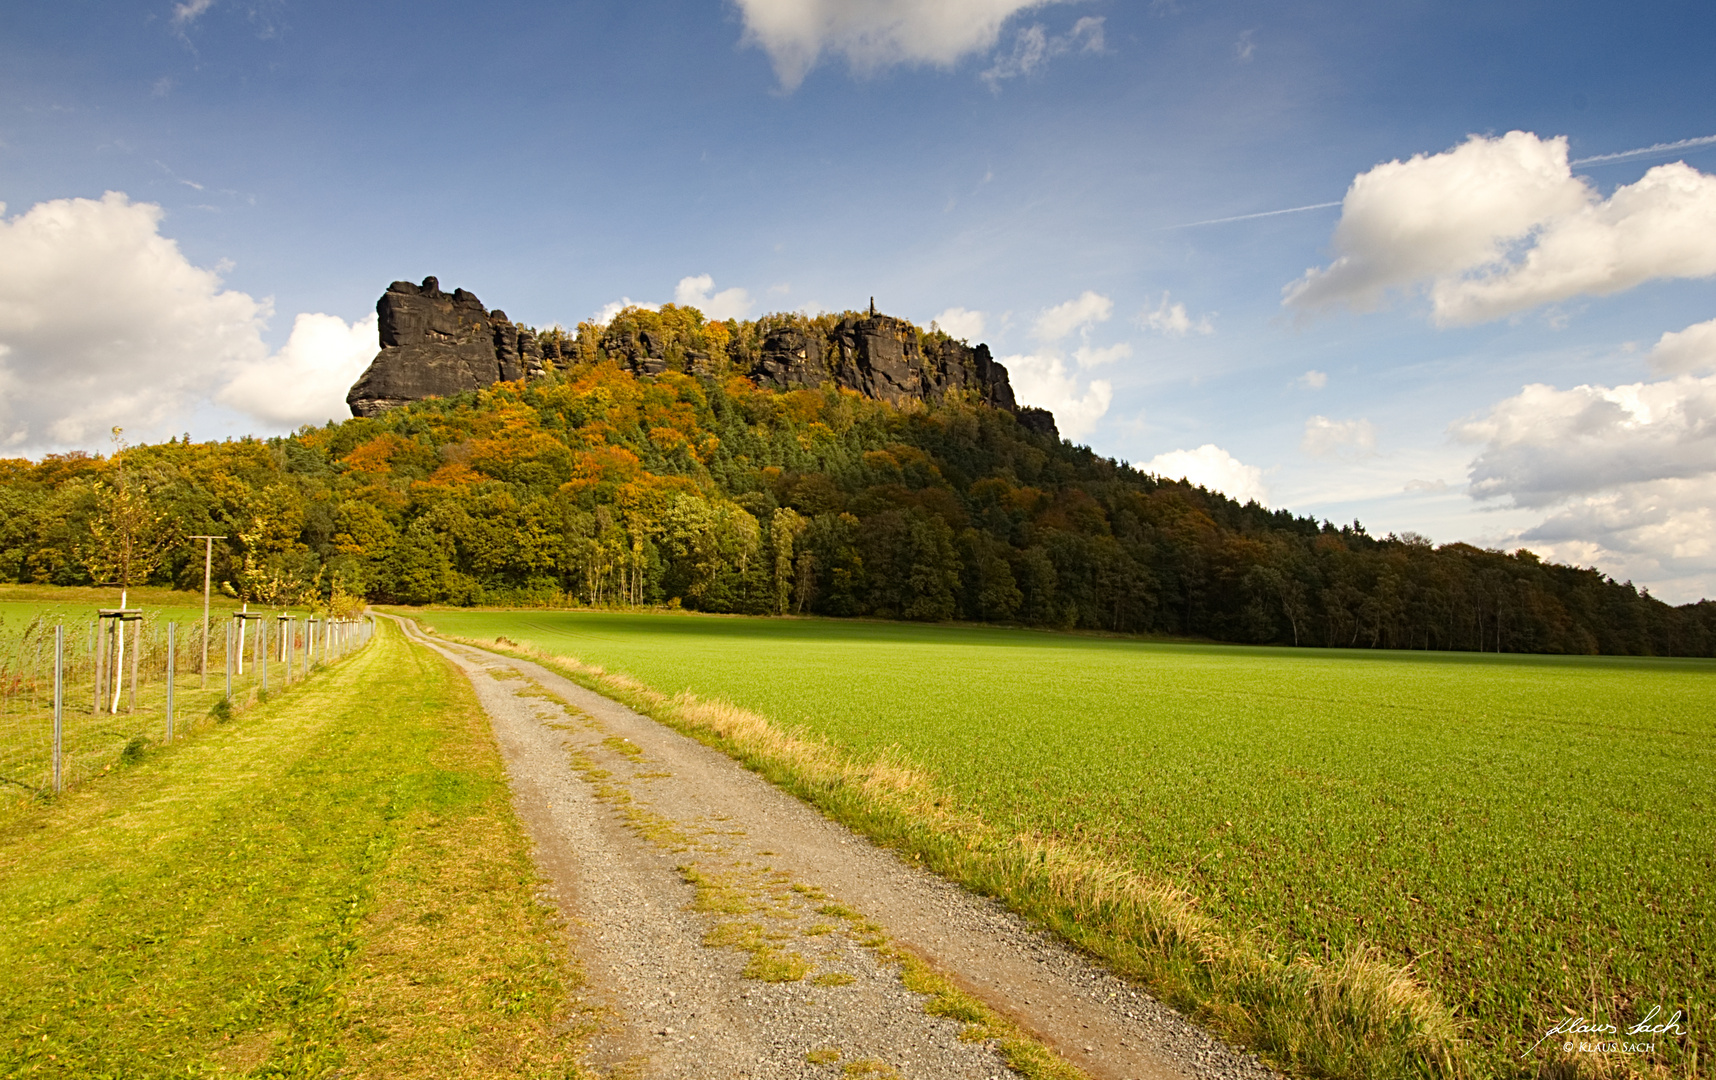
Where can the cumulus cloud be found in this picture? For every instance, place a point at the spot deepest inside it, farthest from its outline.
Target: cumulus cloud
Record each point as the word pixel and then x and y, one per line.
pixel 1543 445
pixel 1034 47
pixel 957 322
pixel 1661 533
pixel 874 34
pixel 1172 320
pixel 306 381
pixel 1500 225
pixel 726 304
pixel 1626 474
pixel 1042 379
pixel 1081 313
pixel 1338 438
pixel 1045 379
pixel 104 323
pixel 1313 380
pixel 1212 467
pixel 1691 349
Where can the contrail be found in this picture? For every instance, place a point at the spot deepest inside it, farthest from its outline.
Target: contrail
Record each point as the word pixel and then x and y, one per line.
pixel 1595 159
pixel 1645 151
pixel 1248 217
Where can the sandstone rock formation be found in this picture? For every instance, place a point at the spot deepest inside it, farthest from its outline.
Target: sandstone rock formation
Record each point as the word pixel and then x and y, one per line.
pixel 436 344
pixel 1041 421
pixel 647 353
pixel 881 356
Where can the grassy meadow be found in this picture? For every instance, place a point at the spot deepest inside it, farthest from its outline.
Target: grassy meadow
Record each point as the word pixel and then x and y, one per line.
pixel 78 604
pixel 332 883
pixel 1530 836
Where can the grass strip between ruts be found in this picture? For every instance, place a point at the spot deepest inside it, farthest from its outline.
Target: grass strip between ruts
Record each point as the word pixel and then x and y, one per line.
pixel 332 882
pixel 1349 1015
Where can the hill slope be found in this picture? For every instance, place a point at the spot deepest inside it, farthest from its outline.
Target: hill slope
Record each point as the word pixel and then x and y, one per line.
pixel 597 485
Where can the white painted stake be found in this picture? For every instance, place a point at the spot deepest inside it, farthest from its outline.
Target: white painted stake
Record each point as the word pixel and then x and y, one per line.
pixel 170 655
pixel 59 701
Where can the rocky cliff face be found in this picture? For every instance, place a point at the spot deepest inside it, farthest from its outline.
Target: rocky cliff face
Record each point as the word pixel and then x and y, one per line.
pixel 881 356
pixel 436 344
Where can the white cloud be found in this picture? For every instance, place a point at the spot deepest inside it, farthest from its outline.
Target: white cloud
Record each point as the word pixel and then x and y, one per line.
pixel 1628 474
pixel 306 381
pixel 1043 380
pixel 190 11
pixel 1544 445
pixel 726 304
pixel 1500 225
pixel 614 307
pixel 1033 47
pixel 1212 467
pixel 1172 319
pixel 1090 356
pixel 1338 438
pixel 1081 313
pixel 1246 47
pixel 1691 349
pixel 1427 485
pixel 1313 380
pixel 1661 533
pixel 104 322
pixel 957 322
pixel 873 34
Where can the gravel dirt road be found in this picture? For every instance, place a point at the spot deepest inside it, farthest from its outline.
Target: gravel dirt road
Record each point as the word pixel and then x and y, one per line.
pixel 729 930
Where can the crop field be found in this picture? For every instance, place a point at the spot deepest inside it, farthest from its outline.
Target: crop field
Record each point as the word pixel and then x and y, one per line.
pixel 1533 836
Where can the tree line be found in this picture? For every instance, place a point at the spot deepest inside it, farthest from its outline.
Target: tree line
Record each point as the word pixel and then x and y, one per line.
pixel 597 487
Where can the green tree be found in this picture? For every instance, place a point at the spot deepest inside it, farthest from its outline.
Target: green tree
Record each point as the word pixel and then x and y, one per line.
pixel 785 526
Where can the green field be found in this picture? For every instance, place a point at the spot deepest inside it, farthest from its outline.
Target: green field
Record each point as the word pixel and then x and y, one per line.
pixel 20 603
pixel 1531 835
pixel 330 884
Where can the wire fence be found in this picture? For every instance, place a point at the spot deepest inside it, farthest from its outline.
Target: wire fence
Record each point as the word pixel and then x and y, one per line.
pixel 78 695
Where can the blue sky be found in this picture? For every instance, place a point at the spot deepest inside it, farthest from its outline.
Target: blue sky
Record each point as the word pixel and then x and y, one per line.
pixel 1030 174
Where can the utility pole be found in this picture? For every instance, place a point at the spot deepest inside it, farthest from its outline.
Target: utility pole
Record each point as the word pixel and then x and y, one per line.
pixel 208 564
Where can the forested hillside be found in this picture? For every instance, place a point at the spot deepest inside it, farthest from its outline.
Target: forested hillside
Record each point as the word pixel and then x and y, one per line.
pixel 594 485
